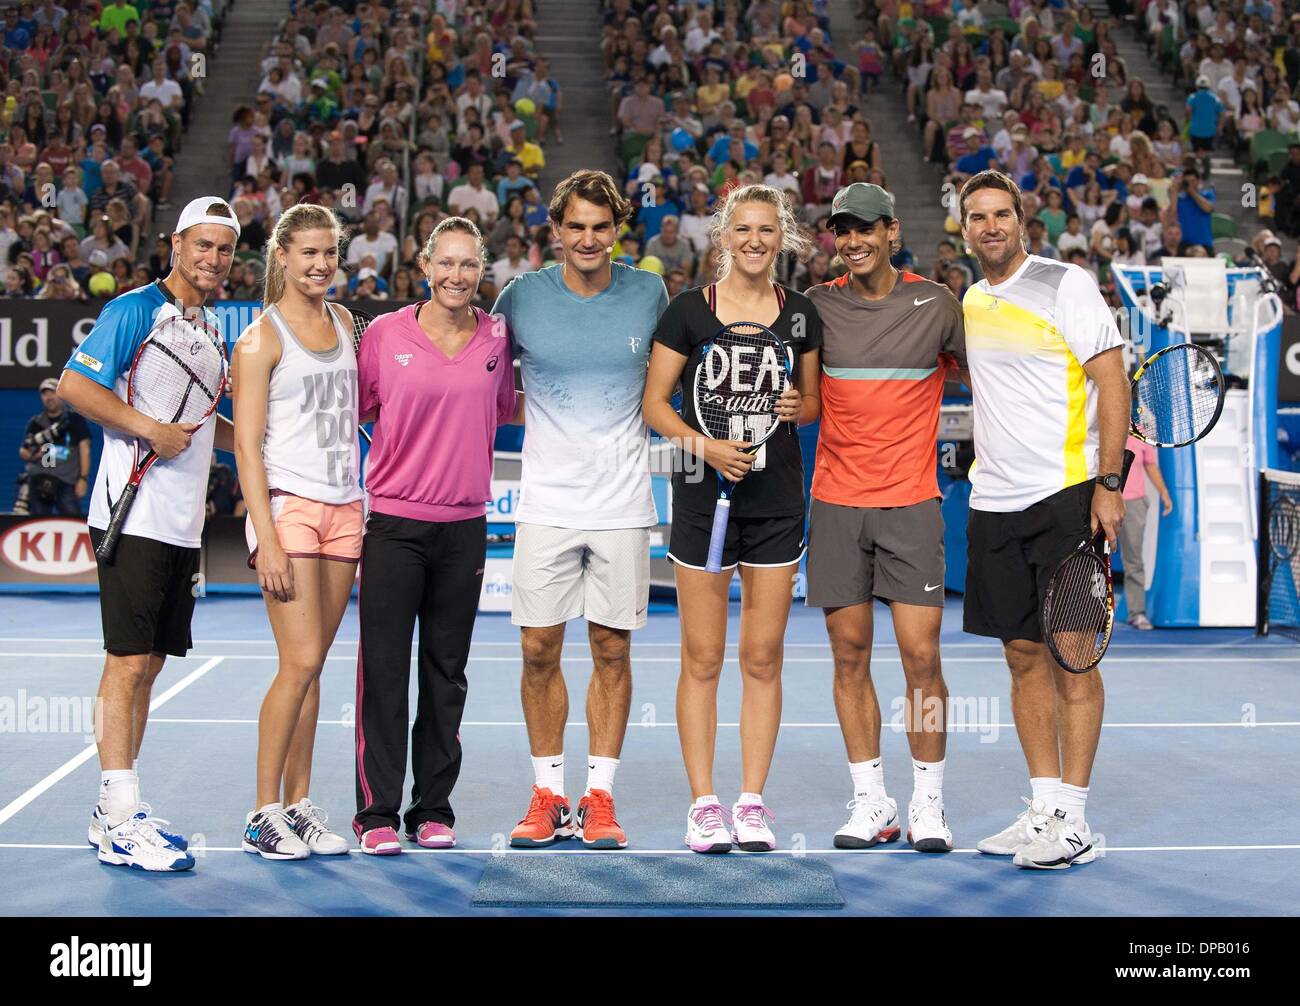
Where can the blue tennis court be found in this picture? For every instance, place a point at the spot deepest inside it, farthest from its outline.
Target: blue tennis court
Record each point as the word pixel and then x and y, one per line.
pixel 1193 790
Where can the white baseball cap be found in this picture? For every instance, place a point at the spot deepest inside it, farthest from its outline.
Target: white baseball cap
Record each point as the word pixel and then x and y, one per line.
pixel 196 212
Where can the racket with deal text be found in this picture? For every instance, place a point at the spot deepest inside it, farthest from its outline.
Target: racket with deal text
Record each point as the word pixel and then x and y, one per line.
pixel 360 322
pixel 1177 398
pixel 742 372
pixel 178 375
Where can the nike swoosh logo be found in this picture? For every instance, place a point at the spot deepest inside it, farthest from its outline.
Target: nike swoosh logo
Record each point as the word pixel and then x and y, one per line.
pixel 935 587
pixel 918 303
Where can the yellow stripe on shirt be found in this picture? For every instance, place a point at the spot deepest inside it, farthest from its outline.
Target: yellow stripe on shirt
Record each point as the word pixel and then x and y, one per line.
pixel 995 323
pixel 1076 428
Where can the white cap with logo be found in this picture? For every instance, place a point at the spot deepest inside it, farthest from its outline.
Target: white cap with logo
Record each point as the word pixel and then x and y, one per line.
pixel 196 212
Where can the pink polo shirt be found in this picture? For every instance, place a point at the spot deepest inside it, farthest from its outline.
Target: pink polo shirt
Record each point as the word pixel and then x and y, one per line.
pixel 1136 486
pixel 432 453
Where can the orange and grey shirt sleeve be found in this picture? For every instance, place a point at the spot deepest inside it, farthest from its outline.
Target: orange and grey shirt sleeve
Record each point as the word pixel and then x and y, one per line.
pixel 884 364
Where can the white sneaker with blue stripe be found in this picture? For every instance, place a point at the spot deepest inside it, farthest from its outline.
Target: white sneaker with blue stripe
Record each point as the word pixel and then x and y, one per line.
pixel 99 823
pixel 137 843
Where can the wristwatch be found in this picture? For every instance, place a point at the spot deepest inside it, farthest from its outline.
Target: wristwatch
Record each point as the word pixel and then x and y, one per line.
pixel 1111 482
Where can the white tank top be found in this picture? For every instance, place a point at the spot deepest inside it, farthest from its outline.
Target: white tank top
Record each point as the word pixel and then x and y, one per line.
pixel 310 448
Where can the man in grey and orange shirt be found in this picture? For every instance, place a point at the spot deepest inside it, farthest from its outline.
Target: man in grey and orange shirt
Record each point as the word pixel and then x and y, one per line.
pixel 875 529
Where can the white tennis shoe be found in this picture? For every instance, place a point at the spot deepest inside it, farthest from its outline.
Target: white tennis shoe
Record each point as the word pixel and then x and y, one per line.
pixel 927 827
pixel 137 843
pixel 870 823
pixel 1023 830
pixel 1063 842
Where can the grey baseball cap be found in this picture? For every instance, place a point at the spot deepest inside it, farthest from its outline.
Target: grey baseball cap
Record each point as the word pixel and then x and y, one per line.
pixel 862 201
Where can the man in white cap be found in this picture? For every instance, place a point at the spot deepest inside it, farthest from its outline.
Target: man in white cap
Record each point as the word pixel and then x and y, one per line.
pixel 147 593
pixel 1205 115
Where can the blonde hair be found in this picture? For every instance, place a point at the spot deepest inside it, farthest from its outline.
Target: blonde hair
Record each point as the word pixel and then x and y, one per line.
pixel 301 217
pixel 793 240
pixel 457 225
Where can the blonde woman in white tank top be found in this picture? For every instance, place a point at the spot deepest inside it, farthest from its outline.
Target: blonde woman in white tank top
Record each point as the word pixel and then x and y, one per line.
pixel 295 378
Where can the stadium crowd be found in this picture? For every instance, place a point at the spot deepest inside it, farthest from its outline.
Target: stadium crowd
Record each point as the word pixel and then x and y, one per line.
pixel 96 101
pixel 395 113
pixel 704 100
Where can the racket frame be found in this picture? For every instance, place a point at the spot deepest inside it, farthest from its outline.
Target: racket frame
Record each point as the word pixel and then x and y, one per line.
pixel 121 509
pixel 1097 547
pixel 722 510
pixel 357 331
pixel 1146 364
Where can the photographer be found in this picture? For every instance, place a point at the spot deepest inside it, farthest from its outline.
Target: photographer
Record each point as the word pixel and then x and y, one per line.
pixel 56 448
pixel 1194 208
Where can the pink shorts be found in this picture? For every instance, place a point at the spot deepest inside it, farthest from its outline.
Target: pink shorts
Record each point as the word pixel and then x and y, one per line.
pixel 311 530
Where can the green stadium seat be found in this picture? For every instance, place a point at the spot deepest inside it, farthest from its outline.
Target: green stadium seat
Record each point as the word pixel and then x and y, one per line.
pixel 939 26
pixel 1223 226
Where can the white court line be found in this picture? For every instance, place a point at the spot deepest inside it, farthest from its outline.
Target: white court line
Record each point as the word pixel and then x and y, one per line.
pixel 1245 658
pixel 79 759
pixel 357 855
pixel 897 728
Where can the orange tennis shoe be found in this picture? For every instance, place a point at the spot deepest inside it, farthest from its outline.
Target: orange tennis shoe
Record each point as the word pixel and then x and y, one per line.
pixel 548 820
pixel 597 826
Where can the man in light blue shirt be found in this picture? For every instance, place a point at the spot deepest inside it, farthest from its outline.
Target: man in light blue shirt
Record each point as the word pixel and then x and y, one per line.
pixel 582 331
pixel 1205 112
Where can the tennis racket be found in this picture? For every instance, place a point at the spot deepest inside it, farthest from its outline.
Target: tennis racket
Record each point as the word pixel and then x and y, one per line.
pixel 1078 611
pixel 1284 529
pixel 178 376
pixel 1177 396
pixel 742 372
pixel 360 321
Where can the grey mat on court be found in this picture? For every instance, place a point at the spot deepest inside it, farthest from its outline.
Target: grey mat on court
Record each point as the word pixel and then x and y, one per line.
pixel 596 881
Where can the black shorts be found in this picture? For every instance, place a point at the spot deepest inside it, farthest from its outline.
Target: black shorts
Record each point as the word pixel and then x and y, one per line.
pixel 146 597
pixel 751 541
pixel 1201 144
pixel 1010 557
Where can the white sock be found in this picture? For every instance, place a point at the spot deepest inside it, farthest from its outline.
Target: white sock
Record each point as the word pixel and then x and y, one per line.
pixel 1045 787
pixel 119 795
pixel 267 808
pixel 868 779
pixel 1072 800
pixel 600 773
pixel 709 800
pixel 750 799
pixel 927 781
pixel 548 772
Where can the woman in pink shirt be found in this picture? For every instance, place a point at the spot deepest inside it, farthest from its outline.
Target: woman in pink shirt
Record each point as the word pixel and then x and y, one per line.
pixel 1145 465
pixel 437 378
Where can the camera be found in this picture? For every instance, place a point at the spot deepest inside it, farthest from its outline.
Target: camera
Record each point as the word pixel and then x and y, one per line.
pixel 41 439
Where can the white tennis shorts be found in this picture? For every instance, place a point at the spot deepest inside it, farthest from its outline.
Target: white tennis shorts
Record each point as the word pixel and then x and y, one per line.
pixel 561 573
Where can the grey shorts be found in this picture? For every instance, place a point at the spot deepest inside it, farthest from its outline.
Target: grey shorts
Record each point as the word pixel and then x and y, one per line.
pixel 563 573
pixel 857 553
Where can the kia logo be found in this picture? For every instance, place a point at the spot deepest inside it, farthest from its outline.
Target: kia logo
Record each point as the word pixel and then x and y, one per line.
pixel 52 546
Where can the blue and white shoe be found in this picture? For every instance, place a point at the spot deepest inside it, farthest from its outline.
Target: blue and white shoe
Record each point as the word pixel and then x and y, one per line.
pixel 99 823
pixel 137 843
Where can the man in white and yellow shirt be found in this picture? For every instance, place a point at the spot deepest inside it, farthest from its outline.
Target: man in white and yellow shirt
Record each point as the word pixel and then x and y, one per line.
pixel 1051 416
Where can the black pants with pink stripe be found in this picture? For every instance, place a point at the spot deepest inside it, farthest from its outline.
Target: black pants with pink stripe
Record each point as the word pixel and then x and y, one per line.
pixel 414 571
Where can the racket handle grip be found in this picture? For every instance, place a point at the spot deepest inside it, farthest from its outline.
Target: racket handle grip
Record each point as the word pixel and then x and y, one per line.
pixel 1123 472
pixel 108 544
pixel 718 536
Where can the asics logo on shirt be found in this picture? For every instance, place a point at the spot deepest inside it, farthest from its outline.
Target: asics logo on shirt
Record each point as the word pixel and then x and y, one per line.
pixel 403 358
pixel 916 302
